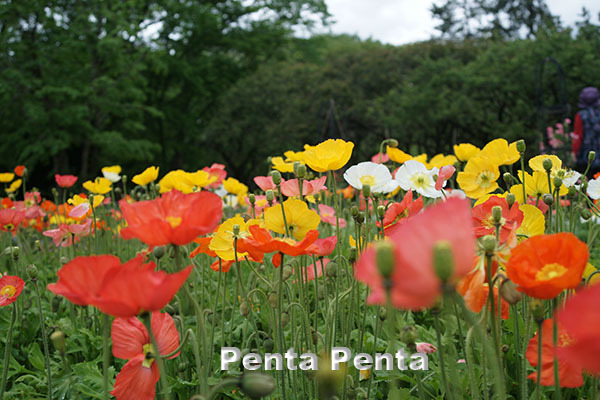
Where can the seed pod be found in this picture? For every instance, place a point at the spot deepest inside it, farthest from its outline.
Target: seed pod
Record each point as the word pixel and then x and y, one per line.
pixel 256 385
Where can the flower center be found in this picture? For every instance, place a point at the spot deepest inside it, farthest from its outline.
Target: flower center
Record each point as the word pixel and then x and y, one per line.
pixel 174 221
pixel 565 340
pixel 550 271
pixel 485 179
pixel 8 291
pixel 419 180
pixel 9 227
pixel 367 180
pixel 149 355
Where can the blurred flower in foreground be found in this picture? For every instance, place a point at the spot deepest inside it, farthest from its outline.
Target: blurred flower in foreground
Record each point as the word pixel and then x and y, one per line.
pixel 65 181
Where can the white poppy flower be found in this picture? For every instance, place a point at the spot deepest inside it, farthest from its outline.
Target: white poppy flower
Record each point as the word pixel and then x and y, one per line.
pixel 593 189
pixel 414 175
pixel 377 176
pixel 570 178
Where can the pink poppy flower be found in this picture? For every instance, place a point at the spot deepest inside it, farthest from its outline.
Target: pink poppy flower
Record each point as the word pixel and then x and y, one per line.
pixel 444 174
pixel 328 215
pixel 380 158
pixel 65 181
pixel 265 183
pixel 424 347
pixel 290 188
pixel 217 170
pixel 68 234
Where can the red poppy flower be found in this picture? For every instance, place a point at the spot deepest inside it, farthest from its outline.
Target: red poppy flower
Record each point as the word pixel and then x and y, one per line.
pixel 484 223
pixel 545 265
pixel 581 320
pixel 120 290
pixel 415 284
pixel 10 288
pixel 262 242
pixel 10 219
pixel 174 218
pixel 131 341
pixel 20 170
pixel 65 181
pixel 310 270
pixel 323 247
pixel 397 213
pixel 569 373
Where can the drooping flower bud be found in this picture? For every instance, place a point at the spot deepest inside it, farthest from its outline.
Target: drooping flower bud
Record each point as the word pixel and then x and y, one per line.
pixel 392 143
pixel 256 385
pixel 509 292
pixel 244 308
pixel 510 199
pixel 443 260
pixel 287 272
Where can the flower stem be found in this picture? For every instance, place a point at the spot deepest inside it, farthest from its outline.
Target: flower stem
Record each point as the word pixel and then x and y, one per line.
pixel 436 321
pixel 539 363
pixel 44 338
pixel 7 350
pixel 164 384
pixel 557 393
pixel 105 354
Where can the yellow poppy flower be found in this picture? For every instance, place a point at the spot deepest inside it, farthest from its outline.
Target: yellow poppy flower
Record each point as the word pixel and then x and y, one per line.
pixel 98 186
pixel 533 223
pixel 329 155
pixel 517 190
pixel 486 197
pixel 281 165
pixel 6 177
pixel 177 180
pixel 536 184
pixel 150 174
pixel 77 200
pixel 536 163
pixel 234 186
pixel 14 186
pixel 441 160
pixel 589 270
pixel 300 219
pixel 398 155
pixel 479 177
pixel 222 241
pixel 499 152
pixel 199 179
pixel 422 158
pixel 291 156
pixel 465 151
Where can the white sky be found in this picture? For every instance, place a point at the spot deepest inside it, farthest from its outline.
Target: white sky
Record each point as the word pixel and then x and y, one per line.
pixel 404 21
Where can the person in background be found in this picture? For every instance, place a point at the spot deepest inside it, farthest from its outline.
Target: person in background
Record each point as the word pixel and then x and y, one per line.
pixel 586 130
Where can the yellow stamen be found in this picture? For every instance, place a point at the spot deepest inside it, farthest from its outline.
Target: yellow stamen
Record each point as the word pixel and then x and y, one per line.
pixel 550 271
pixel 485 179
pixel 150 355
pixel 8 291
pixel 174 221
pixel 367 180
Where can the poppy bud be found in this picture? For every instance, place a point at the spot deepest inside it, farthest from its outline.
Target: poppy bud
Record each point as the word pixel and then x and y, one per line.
pixel 509 292
pixel 548 199
pixel 273 299
pixel 256 385
pixel 547 164
pixel 236 230
pixel 182 366
pixel 504 348
pixel 591 156
pixel 380 212
pixel 252 198
pixel 392 143
pixel 287 272
pixel 58 341
pixel 586 214
pixel 331 269
pixel 276 175
pixel 383 313
pixel 32 272
pixel 408 334
pixel 536 306
pixel 360 217
pixel 497 214
pixel 354 211
pixel 64 260
pixel 353 256
pixel 521 146
pixel 510 199
pixel 557 182
pixel 488 243
pixel 507 178
pixel 572 192
pixel 268 345
pixel 385 258
pixel 366 191
pixel 300 170
pixel 12 251
pixel 270 196
pixel 244 308
pixel 118 191
pixel 443 260
pixel 285 319
pixel 159 251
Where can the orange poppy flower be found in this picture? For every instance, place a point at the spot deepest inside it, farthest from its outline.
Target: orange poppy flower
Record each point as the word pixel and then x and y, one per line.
pixel 569 373
pixel 120 290
pixel 10 288
pixel 397 213
pixel 262 242
pixel 173 218
pixel 10 219
pixel 475 289
pixel 20 170
pixel 203 248
pixel 545 265
pixel 581 319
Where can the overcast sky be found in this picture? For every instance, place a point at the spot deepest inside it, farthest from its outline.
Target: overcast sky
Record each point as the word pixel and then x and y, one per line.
pixel 405 21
